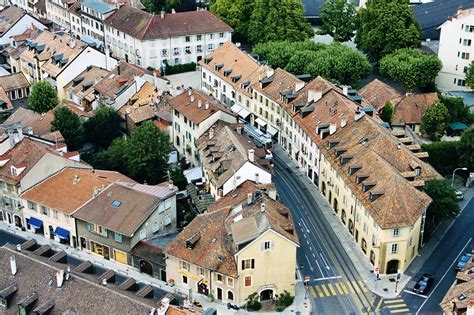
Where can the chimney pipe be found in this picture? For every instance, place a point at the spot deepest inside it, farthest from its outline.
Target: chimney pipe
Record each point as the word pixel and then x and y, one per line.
pixel 13 264
pixel 199 104
pixel 251 155
pixel 262 207
pixel 345 90
pixel 192 98
pixel 60 278
pixel 162 14
pixel 249 199
pixel 207 105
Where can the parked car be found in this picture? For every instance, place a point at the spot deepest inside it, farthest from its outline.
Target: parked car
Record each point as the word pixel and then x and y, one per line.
pixel 424 284
pixel 459 195
pixel 463 261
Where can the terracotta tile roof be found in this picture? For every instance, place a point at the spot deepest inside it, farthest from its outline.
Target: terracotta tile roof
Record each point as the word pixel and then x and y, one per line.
pixel 78 110
pixel 122 75
pixel 9 16
pixel 375 150
pixel 144 26
pixel 142 105
pixel 5 104
pixel 460 295
pixel 83 85
pixel 40 124
pixel 218 230
pixel 280 81
pixel 377 93
pixel 226 151
pixel 188 105
pixel 27 34
pixel 28 153
pixel 70 188
pixel 14 81
pixel 409 108
pixel 57 51
pixel 134 208
pixel 244 67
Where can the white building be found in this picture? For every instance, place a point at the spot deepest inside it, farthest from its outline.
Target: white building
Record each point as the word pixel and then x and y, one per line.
pixel 456 50
pixel 173 38
pixel 193 114
pixel 93 14
pixel 57 11
pixel 14 21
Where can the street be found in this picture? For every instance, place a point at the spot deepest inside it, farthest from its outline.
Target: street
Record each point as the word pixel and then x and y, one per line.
pixel 335 286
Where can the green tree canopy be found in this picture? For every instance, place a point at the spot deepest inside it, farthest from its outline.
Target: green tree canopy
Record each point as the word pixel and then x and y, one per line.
pixel 442 156
pixel 435 120
pixel 470 75
pixel 143 156
pixel 340 20
pixel 411 67
pixel 444 203
pixel 278 19
pixel 466 149
pixel 104 127
pixel 70 126
pixel 236 13
pixel 458 111
pixel 385 26
pixel 334 62
pixel 387 112
pixel 43 97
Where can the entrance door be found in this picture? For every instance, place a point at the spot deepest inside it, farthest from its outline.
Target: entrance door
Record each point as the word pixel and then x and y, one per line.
pixel 1 216
pixel 9 218
pixel 18 222
pixel 392 266
pixel 83 243
pixel 51 232
pixel 266 295
pixel 163 275
pixel 203 289
pixel 219 294
pixel 146 267
pixel 120 257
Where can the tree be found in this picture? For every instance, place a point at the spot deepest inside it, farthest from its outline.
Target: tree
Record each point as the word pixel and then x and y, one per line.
pixel 339 19
pixel 70 126
pixel 253 303
pixel 385 26
pixel 435 120
pixel 236 13
pixel 104 127
pixel 458 111
pixel 441 156
pixel 444 204
pixel 279 53
pixel 466 149
pixel 277 19
pixel 387 112
pixel 470 75
pixel 283 300
pixel 143 156
pixel 43 97
pixel 411 67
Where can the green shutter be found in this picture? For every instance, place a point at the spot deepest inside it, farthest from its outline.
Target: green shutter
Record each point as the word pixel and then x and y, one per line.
pixel 89 227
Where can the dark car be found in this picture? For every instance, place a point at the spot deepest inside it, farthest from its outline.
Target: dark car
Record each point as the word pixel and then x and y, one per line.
pixel 463 261
pixel 424 284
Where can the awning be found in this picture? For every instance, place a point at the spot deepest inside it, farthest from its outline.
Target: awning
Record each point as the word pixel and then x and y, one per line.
pixel 244 113
pixel 236 108
pixel 61 233
pixel 34 222
pixel 272 130
pixel 260 122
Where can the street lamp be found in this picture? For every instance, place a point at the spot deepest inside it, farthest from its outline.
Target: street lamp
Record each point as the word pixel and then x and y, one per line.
pixel 457 169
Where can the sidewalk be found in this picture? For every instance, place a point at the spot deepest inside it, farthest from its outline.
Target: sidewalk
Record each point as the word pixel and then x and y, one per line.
pixel 300 305
pixel 385 287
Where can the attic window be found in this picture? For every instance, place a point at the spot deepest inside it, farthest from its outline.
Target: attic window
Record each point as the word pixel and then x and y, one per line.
pixel 86 86
pixel 332 143
pixel 57 57
pixel 207 59
pixel 227 72
pixel 367 186
pixel 340 150
pixel 219 66
pixel 64 61
pixel 345 159
pixel 306 111
pixel 116 203
pixel 191 242
pixel 77 80
pixel 40 48
pixel 236 78
pixel 245 84
pixel 361 177
pixel 354 168
pixel 375 195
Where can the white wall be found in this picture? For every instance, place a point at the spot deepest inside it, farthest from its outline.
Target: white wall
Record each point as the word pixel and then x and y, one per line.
pixel 246 172
pixel 25 22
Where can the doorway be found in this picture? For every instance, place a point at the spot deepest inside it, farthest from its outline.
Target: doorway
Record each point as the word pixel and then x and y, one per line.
pixel 163 275
pixel 51 232
pixel 266 295
pixel 146 267
pixel 203 289
pixel 9 218
pixel 83 243
pixel 219 294
pixel 392 266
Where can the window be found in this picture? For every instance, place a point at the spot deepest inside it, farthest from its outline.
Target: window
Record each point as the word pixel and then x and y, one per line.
pixel 267 245
pixel 199 37
pixel 184 265
pixel 168 219
pixel 221 35
pixel 210 47
pixel 230 282
pixel 187 39
pixel 465 55
pixel 199 48
pixel 101 230
pixel 211 36
pixel 248 264
pixel 156 227
pixel 219 277
pixel 32 206
pixel 164 53
pixel 55 214
pixel 396 232
pixel 44 210
pixel 248 281
pixel 230 295
pixel 118 237
pixel 202 271
pixel 185 280
pixel 66 218
pixel 374 240
pixel 142 234
pixel 467 42
pixel 461 82
pixel 394 248
pixel 410 241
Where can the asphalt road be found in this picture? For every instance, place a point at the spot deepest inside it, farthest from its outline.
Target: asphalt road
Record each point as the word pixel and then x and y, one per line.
pixel 9 238
pixel 335 286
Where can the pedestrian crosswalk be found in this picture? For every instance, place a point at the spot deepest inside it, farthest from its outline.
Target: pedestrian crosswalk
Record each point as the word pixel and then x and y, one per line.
pixel 396 306
pixel 321 290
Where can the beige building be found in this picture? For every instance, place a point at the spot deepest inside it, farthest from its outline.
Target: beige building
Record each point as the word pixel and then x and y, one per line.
pixel 237 248
pixel 374 184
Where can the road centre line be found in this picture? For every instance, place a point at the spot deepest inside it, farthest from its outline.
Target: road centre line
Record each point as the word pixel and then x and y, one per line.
pixel 328 278
pixel 417 294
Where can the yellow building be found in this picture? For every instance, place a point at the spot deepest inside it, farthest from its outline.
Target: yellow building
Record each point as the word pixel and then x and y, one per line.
pixel 374 184
pixel 237 248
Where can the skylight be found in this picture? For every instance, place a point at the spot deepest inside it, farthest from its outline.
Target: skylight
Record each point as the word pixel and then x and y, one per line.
pixel 116 203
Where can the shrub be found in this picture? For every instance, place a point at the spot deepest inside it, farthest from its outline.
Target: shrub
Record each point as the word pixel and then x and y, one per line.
pixel 283 300
pixel 185 67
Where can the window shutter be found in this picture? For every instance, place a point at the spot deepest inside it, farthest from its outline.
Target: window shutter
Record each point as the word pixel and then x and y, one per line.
pixel 89 227
pixel 243 264
pixel 262 246
pixel 253 263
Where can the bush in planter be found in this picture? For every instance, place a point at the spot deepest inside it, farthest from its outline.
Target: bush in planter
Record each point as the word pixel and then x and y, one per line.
pixel 253 304
pixel 283 300
pixel 185 67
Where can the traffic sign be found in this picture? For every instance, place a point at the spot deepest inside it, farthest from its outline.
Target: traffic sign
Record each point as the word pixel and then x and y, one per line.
pixel 306 279
pixel 376 270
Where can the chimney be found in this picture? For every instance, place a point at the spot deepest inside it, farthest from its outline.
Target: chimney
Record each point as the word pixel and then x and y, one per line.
pixel 251 155
pixel 314 96
pixel 262 207
pixel 13 264
pixel 104 282
pixel 257 180
pixel 207 105
pixel 399 146
pixel 272 193
pixel 192 98
pixel 249 199
pixel 60 278
pixel 345 90
pixel 299 86
pixel 190 92
pixel 162 14
pixel 173 11
pixel 199 104
pixel 239 130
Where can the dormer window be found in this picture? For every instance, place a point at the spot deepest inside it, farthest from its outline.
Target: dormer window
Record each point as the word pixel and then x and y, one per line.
pixel 17 169
pixel 367 186
pixel 418 171
pixel 361 177
pixel 332 143
pixel 219 66
pixel 354 168
pixel 227 72
pixel 345 159
pixel 236 78
pixel 340 150
pixel 376 195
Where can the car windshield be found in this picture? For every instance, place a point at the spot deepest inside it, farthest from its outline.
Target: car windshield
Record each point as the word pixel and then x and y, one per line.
pixel 422 283
pixel 464 258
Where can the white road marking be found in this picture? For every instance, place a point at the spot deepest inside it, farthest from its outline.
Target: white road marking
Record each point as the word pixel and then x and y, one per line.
pixel 314 255
pixel 324 261
pixel 327 278
pixel 411 292
pixel 305 226
pixel 441 280
pixel 310 266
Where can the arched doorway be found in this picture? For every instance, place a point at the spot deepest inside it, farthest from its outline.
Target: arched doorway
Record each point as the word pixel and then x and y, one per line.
pixel 203 289
pixel 9 218
pixel 330 198
pixel 146 267
pixel 230 295
pixel 392 266
pixel 335 205
pixel 266 295
pixel 323 188
pixel 18 221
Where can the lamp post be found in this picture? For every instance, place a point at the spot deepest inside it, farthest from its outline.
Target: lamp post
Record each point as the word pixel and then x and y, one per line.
pixel 457 169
